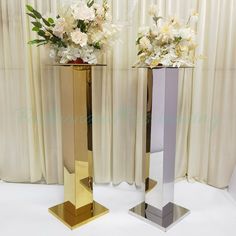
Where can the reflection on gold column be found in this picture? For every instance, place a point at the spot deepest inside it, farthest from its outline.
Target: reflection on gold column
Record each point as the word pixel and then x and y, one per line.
pixel 77 148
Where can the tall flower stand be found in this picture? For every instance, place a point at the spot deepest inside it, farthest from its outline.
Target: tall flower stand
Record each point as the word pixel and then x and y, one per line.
pixel 77 148
pixel 162 95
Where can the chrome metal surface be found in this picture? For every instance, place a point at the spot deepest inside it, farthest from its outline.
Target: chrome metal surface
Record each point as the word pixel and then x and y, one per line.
pixel 162 100
pixel 161 118
pixel 232 185
pixel 163 219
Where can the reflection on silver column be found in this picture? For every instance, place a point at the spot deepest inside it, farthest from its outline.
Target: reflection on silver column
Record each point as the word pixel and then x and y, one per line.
pixel 162 97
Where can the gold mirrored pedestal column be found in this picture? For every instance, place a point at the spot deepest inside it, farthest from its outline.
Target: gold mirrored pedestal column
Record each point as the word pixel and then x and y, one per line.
pixel 77 147
pixel 159 208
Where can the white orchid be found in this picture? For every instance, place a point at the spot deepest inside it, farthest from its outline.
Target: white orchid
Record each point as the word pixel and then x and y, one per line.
pixel 153 10
pixel 194 16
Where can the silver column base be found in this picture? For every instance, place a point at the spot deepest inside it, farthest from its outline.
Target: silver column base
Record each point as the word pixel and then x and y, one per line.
pixel 163 219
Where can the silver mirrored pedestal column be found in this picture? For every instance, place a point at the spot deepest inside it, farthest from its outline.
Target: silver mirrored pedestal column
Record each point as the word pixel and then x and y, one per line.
pixel 162 98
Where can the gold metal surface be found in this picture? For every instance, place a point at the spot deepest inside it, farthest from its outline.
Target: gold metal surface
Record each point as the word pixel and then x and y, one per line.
pixel 77 147
pixel 149 183
pixel 74 218
pixel 81 66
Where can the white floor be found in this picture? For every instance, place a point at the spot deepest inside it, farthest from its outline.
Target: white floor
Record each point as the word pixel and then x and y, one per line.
pixel 23 211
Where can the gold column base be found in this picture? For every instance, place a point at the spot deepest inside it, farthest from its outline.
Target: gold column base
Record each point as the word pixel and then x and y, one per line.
pixel 74 218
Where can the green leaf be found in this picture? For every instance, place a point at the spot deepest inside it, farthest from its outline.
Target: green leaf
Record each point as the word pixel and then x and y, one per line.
pixel 42 43
pixel 140 52
pixel 46 22
pixel 90 3
pixel 29 8
pixel 50 20
pixel 82 26
pixel 37 24
pixel 37 14
pixel 157 18
pixel 50 31
pixel 178 39
pixel 97 45
pixel 36 29
pixel 41 33
pixel 31 15
pixel 36 41
pixel 138 40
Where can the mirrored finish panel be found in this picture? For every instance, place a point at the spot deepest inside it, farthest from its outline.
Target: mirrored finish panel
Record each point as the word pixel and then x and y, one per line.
pixel 162 97
pixel 163 219
pixel 161 119
pixel 77 147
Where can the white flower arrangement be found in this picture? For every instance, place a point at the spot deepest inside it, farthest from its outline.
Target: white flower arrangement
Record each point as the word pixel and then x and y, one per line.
pixel 168 42
pixel 79 33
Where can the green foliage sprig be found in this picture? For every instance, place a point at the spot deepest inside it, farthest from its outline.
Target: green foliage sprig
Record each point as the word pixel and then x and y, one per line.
pixel 43 28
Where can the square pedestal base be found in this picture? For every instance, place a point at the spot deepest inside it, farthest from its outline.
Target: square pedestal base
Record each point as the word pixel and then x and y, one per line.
pixel 82 216
pixel 163 219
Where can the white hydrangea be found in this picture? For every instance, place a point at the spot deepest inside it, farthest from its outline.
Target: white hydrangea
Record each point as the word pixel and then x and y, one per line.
pixel 89 55
pixel 68 54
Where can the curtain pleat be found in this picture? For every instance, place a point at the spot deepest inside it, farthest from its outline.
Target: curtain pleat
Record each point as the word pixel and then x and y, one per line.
pixel 30 133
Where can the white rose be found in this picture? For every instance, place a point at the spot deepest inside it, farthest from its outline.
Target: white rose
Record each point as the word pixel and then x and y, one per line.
pixel 145 43
pixel 81 11
pixel 59 28
pixel 79 38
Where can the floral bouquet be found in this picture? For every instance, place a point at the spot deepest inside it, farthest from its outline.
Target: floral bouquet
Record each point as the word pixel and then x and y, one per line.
pixel 79 32
pixel 168 42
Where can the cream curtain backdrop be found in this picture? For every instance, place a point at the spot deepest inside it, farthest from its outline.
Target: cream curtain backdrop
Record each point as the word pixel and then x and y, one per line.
pixel 29 98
